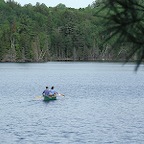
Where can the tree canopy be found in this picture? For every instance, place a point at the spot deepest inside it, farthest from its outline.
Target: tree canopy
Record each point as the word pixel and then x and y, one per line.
pixel 40 33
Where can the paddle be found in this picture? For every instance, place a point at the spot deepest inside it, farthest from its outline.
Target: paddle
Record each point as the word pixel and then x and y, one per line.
pixel 61 94
pixel 39 97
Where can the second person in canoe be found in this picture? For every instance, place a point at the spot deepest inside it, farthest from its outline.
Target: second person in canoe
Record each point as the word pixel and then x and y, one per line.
pixel 52 92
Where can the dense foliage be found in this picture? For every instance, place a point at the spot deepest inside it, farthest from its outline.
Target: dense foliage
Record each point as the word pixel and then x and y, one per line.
pixel 40 33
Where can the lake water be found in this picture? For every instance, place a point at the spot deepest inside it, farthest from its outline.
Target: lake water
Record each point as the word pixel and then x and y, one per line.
pixel 103 103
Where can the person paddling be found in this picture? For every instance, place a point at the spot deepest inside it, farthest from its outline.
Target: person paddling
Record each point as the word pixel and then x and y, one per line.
pixel 46 92
pixel 52 91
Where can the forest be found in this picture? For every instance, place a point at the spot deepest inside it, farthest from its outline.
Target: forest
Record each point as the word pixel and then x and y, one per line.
pixel 39 34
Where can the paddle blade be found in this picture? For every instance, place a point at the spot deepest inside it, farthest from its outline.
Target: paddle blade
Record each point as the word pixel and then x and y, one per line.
pixel 38 97
pixel 61 94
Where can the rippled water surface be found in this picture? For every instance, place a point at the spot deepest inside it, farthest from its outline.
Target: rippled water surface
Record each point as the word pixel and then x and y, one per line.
pixel 103 103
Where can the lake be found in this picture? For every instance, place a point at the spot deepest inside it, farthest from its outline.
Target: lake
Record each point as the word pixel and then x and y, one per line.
pixel 103 103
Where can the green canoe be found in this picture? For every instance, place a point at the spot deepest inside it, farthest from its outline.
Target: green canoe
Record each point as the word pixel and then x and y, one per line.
pixel 49 98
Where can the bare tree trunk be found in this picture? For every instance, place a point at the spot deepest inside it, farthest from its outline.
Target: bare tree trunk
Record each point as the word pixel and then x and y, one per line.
pixel 74 54
pixel 12 50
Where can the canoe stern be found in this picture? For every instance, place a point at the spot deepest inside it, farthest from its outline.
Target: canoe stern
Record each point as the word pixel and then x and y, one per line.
pixel 49 98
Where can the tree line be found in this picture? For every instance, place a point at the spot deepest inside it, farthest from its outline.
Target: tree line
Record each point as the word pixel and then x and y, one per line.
pixel 39 33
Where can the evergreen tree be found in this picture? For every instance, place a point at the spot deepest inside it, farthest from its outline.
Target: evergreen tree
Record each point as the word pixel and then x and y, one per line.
pixel 125 24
